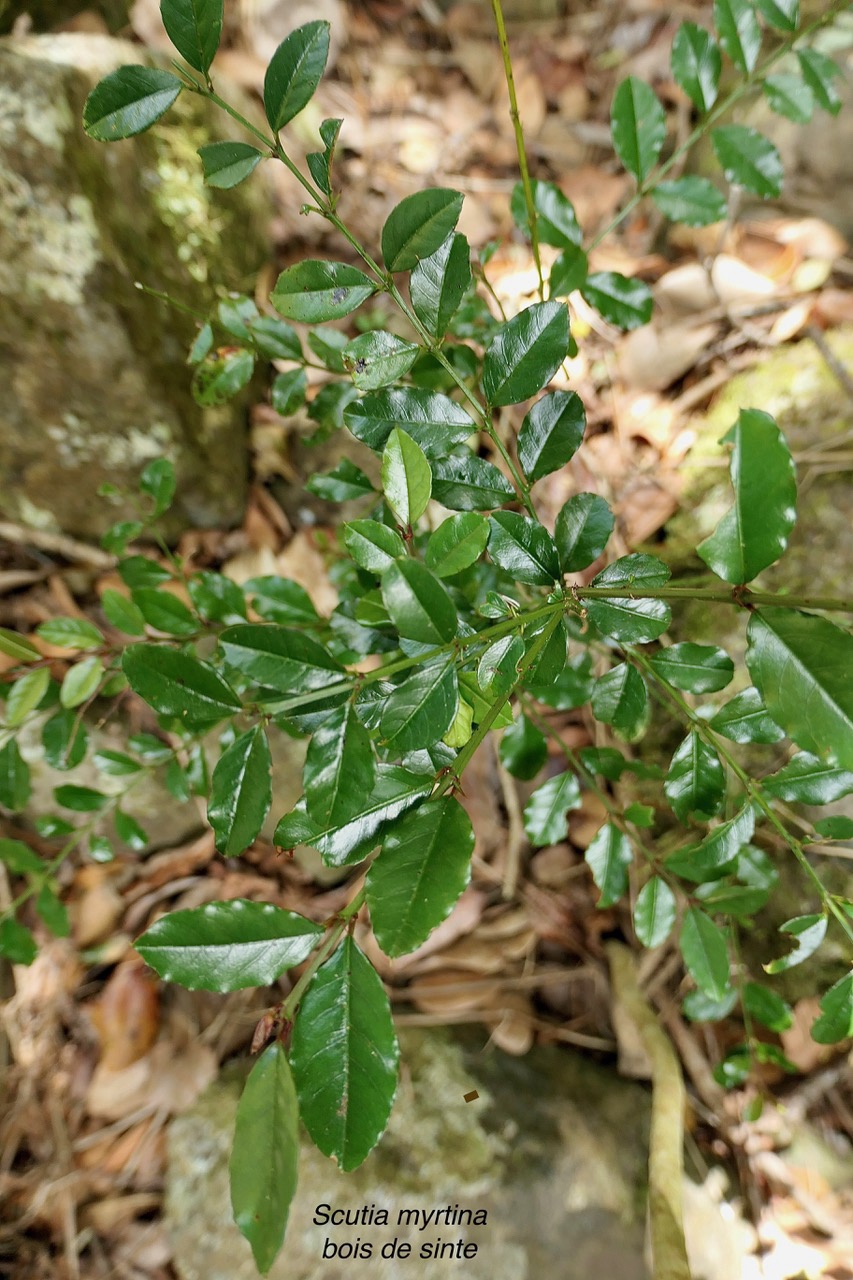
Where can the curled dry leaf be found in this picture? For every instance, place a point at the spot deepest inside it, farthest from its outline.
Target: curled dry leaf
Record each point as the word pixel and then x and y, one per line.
pixel 162 1081
pixel 126 1015
pixel 513 1032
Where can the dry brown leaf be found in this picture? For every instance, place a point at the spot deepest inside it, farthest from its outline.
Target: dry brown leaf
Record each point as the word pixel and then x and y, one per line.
pixel 126 1015
pixel 658 354
pixel 513 1031
pixel 111 1215
pixel 797 1042
pixel 449 991
pixel 163 1080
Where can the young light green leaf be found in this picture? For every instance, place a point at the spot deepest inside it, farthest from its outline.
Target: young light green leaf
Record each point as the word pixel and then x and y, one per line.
pixel 376 358
pixel 406 478
pixel 227 946
pixel 420 711
pixel 128 101
pixel 622 302
pixel 240 795
pixel 314 291
pixel 790 96
pixel 497 670
pixel 265 1155
pixel 749 159
pixel 739 32
pixel 713 857
pixel 523 749
pixel 340 768
pixel 279 658
pixel 745 719
pixel 457 543
pixel 784 15
pixel 14 778
pixel 705 953
pixel 70 633
pixel 523 548
pixel 694 201
pixel 816 708
pixel 225 164
pixel 696 781
pixel 819 71
pixel 836 1013
pixel 638 126
pixel 345 1057
pixel 19 858
pixel 122 613
pixel 320 162
pixel 81 682
pixel 418 604
pixel 194 28
pixel 754 533
pixel 547 809
pixel 696 64
pixel 17 647
pixel 468 483
pixel 434 421
pixel 418 225
pixel 808 780
pixel 620 699
pixel 525 353
pixel 698 668
pixel 439 282
pixel 631 618
pixel 583 530
pixel 551 434
pixel 25 695
pixel 556 221
pixel 294 72
pixel 608 858
pixel 654 912
pixel 373 546
pixel 424 866
pixel 808 933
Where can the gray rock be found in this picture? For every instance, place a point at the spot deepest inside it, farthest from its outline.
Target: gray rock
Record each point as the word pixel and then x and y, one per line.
pixel 554 1149
pixel 93 370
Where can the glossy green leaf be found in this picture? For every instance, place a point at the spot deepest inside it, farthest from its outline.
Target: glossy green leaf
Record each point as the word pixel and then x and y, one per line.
pixel 158 483
pixel 745 719
pixel 194 27
pixel 129 831
pixel 280 600
pixel 406 478
pixel 749 159
pixel 700 1008
pixel 631 618
pixel 620 699
pixel 265 1155
pixel 378 358
pixel 784 15
pixel 523 748
pixel 790 96
pixel 583 530
pixel 373 546
pixel 19 858
pixel 17 944
pixel 457 543
pixel 654 912
pixel 64 739
pixel 767 1007
pixel 638 126
pixel 550 665
pixel 220 377
pixel 836 1013
pixel 698 668
pixel 418 225
pixel 572 688
pixel 340 768
pixel 216 597
pixel 839 828
pixel 808 933
pixel 640 815
pixel 696 781
pixel 424 866
pixel 420 711
pixel 523 548
pixel 294 72
pixel 122 613
pixel 240 794
pixel 344 483
pixel 801 665
pixel 545 815
pixel 320 162
pixel 418 604
pixel 808 780
pixel 345 1057
pixel 622 302
pixel 691 200
pixel 70 633
pixel 434 421
pixel 556 221
pixel 525 353
pixel 551 434
pixel 17 646
pixel 314 291
pixel 177 685
pixel 705 953
pixel 469 483
pixel 608 857
pixel 227 946
pixel 497 670
pixel 696 64
pixel 438 283
pixel 819 72
pixel 279 658
pixel 25 695
pixel 754 533
pixel 140 571
pixel 81 682
pixel 225 164
pixel 165 612
pixel 714 856
pixel 80 799
pixel 569 271
pixel 128 101
pixel 739 31
pixel 328 344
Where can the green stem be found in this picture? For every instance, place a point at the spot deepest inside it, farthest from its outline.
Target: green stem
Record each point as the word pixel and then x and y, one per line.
pixel 325 949
pixel 740 596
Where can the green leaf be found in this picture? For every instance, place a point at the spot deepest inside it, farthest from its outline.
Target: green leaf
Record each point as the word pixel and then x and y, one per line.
pixel 424 866
pixel 434 421
pixel 583 530
pixel 523 548
pixel 638 126
pixel 227 946
pixel 705 953
pixel 17 944
pixel 739 32
pixel 767 1007
pixel 314 291
pixel 139 571
pixel 789 96
pixel 406 478
pixel 463 726
pixel 25 695
pixel 633 621
pixel 274 338
pixel 551 434
pixel 70 633
pixel 280 600
pixel 122 613
pixel 64 739
pixel 712 858
pixel 745 719
pixel 457 543
pixel 835 828
pixel 622 302
pixel 216 597
pixel 294 72
pixel 525 353
pixel 129 831
pixel 328 345
pixel 556 221
pixel 344 483
pixel 129 101
pixel 698 668
pixel 801 665
pixel 279 658
pixel 421 710
pixel 340 768
pixel 523 749
pixel 497 670
pixel 194 27
pixel 808 933
pixel 80 799
pixel 265 1155
pixel 696 781
pixel 345 1057
pixel 376 358
pixel 52 912
pixel 480 704
pixel 754 533
pixel 694 201
pixel 469 483
pixel 784 15
pixel 14 778
pixel 547 809
pixel 225 164
pixel 654 912
pixel 836 1013
pixel 240 795
pixel 177 685
pixel 749 159
pixel 320 162
pixel 418 225
pixel 569 272
pixel 620 699
pixel 219 378
pixel 81 682
pixel 696 64
pixel 808 780
pixel 439 282
pixel 418 604
pixel 17 647
pixel 550 665
pixel 641 815
pixel 608 857
pixel 19 858
pixel 373 546
pixel 165 612
pixel 819 71
pixel 700 1008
